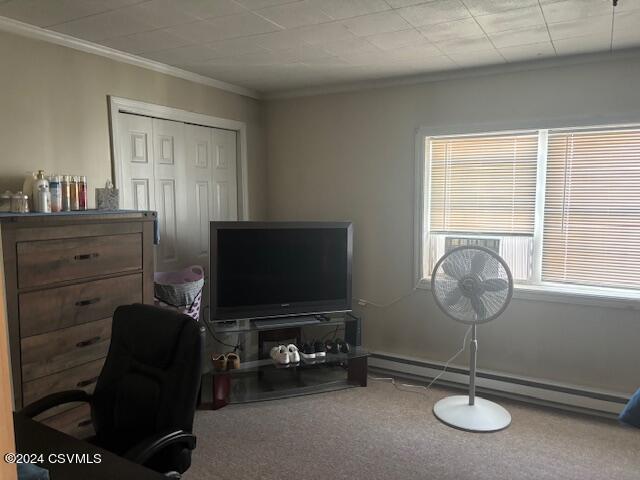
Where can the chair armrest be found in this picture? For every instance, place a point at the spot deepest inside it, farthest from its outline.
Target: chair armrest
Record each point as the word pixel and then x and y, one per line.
pixel 147 448
pixel 53 400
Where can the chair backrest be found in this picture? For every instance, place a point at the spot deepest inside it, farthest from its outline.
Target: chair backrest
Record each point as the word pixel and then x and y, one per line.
pixel 150 380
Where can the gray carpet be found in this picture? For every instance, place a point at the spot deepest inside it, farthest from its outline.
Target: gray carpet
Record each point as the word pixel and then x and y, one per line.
pixel 379 432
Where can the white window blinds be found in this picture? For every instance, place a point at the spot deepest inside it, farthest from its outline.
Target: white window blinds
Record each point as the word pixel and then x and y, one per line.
pixel 592 208
pixel 483 184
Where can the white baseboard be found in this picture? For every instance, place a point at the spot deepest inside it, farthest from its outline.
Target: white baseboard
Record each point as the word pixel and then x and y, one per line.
pixel 541 392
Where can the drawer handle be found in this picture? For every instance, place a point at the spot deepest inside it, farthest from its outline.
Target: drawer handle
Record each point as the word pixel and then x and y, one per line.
pixel 84 423
pixel 86 383
pixel 86 256
pixel 86 343
pixel 90 301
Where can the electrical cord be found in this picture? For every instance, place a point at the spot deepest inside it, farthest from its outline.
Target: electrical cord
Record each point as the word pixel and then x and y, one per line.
pixel 335 332
pixel 235 347
pixel 435 379
pixel 364 303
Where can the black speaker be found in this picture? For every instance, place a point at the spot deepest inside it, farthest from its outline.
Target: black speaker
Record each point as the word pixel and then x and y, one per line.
pixel 353 330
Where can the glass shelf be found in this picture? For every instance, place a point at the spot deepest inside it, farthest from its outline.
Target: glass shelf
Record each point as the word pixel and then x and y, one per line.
pixel 265 380
pixel 255 366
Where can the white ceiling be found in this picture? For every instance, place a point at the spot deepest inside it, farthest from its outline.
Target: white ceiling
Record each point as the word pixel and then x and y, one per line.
pixel 278 45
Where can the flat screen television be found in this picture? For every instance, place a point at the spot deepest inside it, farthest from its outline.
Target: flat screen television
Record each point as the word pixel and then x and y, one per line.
pixel 277 269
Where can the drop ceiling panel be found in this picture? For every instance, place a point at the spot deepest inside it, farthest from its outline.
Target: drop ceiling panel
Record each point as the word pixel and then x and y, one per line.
pixel 511 19
pixel 600 25
pixel 487 7
pixel 467 27
pixel 114 23
pixel 434 12
pixel 527 52
pixel 399 39
pixel 524 36
pixel 272 45
pixel 375 23
pixel 297 14
pixel 341 9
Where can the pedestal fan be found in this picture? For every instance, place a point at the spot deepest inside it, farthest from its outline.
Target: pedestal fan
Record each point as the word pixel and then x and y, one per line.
pixel 472 285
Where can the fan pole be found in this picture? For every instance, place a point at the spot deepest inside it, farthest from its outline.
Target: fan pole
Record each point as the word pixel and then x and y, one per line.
pixel 472 370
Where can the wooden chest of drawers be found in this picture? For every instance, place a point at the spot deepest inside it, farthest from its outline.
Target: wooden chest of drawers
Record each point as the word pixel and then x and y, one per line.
pixel 65 275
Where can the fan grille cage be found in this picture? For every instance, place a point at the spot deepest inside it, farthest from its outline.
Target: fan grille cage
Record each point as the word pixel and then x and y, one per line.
pixel 472 284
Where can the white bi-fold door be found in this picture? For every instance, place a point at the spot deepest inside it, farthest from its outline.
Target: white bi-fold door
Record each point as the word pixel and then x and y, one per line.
pixel 187 173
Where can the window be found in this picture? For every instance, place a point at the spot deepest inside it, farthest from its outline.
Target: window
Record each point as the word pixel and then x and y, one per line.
pixel 560 206
pixel 592 209
pixel 484 188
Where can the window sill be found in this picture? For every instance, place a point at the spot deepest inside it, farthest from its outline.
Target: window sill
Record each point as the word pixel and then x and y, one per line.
pixel 577 295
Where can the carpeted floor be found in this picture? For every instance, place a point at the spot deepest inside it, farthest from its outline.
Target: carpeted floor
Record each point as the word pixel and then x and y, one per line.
pixel 378 433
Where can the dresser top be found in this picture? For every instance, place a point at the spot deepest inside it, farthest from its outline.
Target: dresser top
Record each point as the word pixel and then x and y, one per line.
pixel 78 216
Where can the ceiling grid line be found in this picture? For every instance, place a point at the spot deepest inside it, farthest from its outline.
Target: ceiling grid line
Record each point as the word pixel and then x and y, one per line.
pixel 546 24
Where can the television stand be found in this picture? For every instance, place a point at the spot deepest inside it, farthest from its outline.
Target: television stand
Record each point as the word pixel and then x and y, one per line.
pixel 284 322
pixel 262 379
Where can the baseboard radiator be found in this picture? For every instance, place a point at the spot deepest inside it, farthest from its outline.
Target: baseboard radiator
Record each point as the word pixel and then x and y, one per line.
pixel 540 392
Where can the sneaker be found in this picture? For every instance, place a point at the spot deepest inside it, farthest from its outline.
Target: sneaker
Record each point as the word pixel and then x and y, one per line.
pixel 342 346
pixel 320 349
pixel 294 356
pixel 280 355
pixel 332 346
pixel 307 352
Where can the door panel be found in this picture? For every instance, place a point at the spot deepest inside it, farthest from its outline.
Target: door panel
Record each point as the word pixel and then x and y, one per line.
pixel 136 162
pixel 204 215
pixel 167 213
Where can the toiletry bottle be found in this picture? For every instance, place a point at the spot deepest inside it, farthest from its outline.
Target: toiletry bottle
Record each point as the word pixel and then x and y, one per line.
pixel 82 193
pixel 43 198
pixel 39 181
pixel 66 193
pixel 27 188
pixel 55 189
pixel 73 188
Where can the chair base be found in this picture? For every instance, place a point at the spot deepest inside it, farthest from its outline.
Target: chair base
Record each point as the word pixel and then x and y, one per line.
pixel 483 416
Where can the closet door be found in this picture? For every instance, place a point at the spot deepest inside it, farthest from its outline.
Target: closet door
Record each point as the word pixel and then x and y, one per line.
pixel 212 193
pixel 170 194
pixel 136 178
pixel 188 174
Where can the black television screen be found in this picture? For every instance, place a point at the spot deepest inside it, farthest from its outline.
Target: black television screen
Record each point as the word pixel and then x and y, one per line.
pixel 272 269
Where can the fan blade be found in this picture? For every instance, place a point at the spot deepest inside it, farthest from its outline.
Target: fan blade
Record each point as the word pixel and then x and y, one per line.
pixel 495 284
pixel 452 297
pixel 477 263
pixel 478 307
pixel 453 270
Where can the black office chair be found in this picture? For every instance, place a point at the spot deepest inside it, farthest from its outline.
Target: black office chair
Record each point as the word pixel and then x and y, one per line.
pixel 145 398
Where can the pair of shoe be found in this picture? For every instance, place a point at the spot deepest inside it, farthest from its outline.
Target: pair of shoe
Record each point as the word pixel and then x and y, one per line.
pixel 337 346
pixel 313 350
pixel 285 355
pixel 225 361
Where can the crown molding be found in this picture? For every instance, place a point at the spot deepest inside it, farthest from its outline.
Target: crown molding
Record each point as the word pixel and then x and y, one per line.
pixel 31 31
pixel 632 53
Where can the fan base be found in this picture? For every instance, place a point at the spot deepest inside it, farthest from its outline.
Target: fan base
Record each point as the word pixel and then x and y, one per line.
pixel 483 416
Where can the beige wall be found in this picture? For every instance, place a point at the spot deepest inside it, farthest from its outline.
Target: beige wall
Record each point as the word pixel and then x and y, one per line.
pixel 53 112
pixel 350 156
